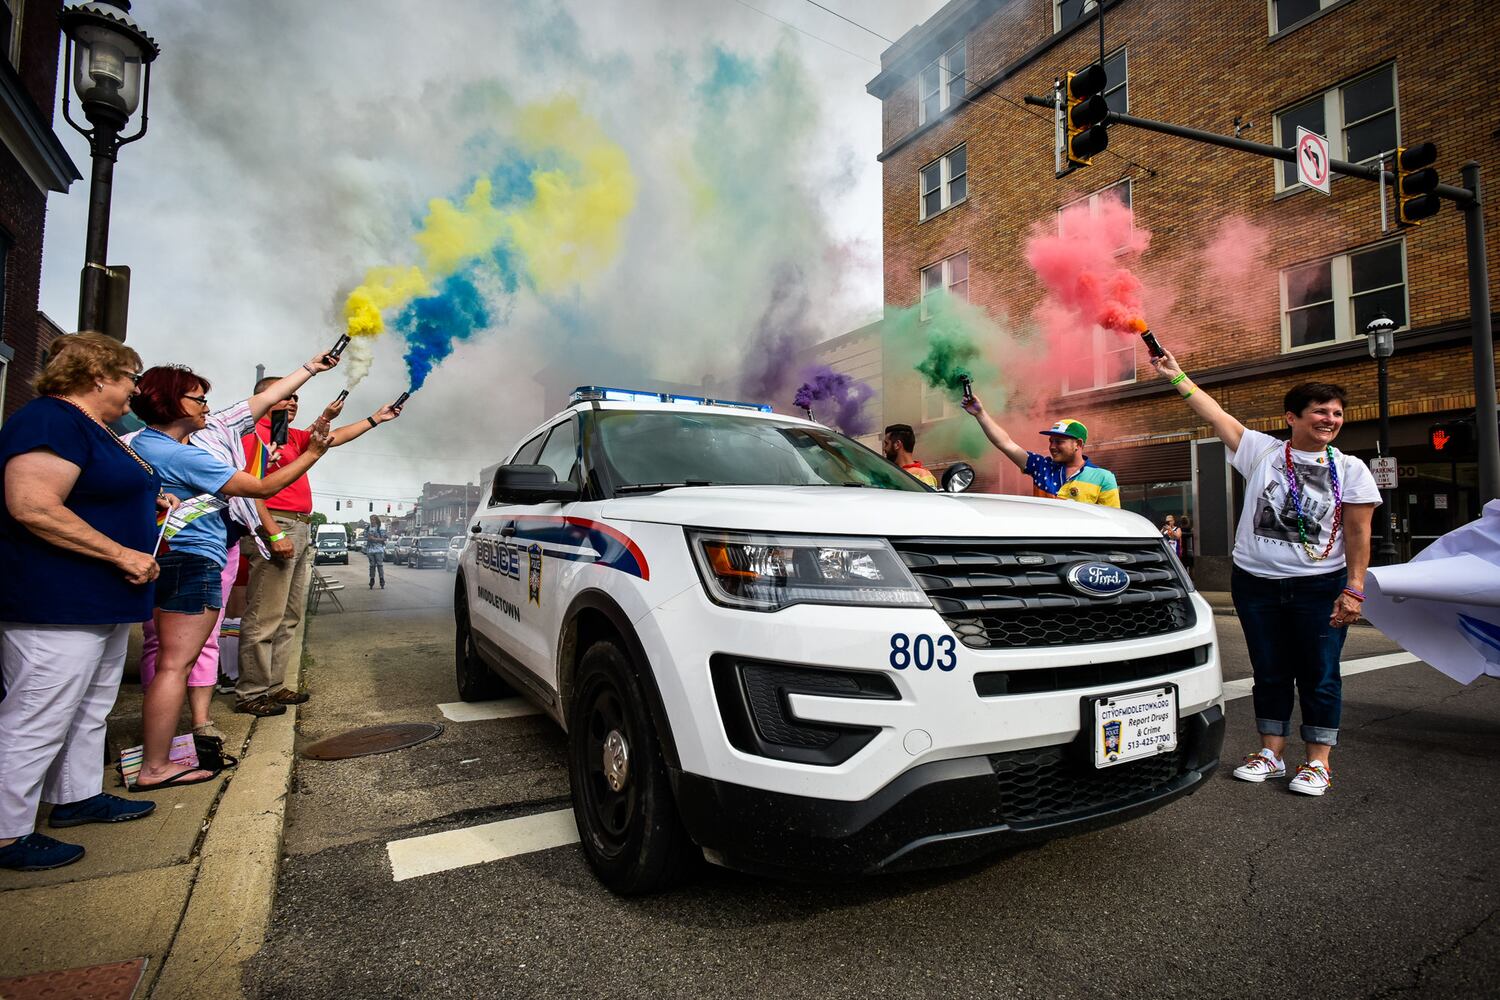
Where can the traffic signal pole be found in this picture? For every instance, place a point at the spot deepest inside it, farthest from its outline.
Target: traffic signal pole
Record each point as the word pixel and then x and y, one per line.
pixel 1466 198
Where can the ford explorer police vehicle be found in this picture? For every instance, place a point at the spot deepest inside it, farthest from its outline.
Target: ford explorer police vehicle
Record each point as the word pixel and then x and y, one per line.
pixel 772 648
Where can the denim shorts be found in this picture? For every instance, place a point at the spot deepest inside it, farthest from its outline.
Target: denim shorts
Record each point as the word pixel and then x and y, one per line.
pixel 189 584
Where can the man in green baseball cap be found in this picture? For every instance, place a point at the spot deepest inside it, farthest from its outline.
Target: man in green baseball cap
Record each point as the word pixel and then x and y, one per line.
pixel 1065 472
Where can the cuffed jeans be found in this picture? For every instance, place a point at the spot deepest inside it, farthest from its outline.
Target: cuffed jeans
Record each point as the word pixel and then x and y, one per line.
pixel 274 602
pixel 60 683
pixel 1294 651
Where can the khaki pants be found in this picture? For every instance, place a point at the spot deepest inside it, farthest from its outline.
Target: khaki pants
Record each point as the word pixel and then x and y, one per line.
pixel 275 600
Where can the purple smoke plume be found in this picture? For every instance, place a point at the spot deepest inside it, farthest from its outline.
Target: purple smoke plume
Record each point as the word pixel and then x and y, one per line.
pixel 781 333
pixel 848 397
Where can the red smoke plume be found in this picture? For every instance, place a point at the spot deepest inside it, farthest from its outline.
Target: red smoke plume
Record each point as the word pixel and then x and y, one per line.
pixel 1082 263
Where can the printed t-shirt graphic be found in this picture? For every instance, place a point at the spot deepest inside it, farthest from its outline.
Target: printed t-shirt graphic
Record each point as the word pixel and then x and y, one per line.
pixel 1267 542
pixel 1091 485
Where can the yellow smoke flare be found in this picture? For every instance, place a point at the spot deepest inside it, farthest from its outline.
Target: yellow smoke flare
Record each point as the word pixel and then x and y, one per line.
pixel 383 288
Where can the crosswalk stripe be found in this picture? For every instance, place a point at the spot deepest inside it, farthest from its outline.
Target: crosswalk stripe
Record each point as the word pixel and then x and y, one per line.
pixel 1241 688
pixel 478 711
pixel 440 852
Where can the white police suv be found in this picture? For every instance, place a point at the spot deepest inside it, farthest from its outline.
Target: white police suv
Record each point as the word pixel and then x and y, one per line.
pixel 773 648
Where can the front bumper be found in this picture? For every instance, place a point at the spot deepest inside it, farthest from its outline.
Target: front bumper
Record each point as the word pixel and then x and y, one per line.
pixel 944 812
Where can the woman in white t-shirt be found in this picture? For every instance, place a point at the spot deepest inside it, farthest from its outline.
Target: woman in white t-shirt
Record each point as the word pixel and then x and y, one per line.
pixel 1300 555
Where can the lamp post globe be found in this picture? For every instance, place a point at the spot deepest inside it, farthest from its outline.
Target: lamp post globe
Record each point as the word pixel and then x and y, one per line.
pixel 1381 332
pixel 108 62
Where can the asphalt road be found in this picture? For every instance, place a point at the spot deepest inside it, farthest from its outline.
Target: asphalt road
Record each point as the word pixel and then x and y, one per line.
pixel 1387 887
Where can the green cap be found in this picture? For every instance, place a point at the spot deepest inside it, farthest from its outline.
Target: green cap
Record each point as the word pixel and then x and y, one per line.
pixel 1068 428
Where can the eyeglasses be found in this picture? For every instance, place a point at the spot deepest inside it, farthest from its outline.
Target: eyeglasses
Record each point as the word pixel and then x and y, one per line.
pixel 200 400
pixel 135 377
pixel 292 398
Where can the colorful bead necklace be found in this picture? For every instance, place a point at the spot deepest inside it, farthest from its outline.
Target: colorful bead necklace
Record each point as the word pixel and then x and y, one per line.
pixel 128 450
pixel 1294 488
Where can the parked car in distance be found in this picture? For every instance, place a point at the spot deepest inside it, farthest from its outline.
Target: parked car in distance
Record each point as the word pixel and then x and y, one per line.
pixel 332 544
pixel 399 549
pixel 427 550
pixel 455 552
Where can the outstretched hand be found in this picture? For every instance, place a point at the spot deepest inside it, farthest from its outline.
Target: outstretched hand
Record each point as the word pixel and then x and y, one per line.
pixel 332 410
pixel 321 439
pixel 386 412
pixel 1167 365
pixel 973 406
pixel 323 362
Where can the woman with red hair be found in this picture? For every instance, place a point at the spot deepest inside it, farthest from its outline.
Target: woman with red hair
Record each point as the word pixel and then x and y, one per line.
pixel 173 401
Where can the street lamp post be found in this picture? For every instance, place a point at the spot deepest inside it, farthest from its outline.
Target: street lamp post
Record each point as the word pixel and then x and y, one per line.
pixel 1381 332
pixel 105 53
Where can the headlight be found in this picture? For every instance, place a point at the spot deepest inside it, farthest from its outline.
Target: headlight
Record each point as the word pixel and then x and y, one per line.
pixel 771 572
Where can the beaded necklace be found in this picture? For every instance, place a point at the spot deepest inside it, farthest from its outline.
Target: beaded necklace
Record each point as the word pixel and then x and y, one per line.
pixel 115 437
pixel 1294 488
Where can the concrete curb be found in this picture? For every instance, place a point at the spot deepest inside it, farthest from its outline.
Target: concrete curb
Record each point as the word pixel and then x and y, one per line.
pixel 228 910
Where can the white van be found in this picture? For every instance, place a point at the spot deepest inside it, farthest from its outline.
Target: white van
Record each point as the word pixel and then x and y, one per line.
pixel 332 544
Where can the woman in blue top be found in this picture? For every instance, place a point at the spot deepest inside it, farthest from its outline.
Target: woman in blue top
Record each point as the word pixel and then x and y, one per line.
pixel 174 403
pixel 75 558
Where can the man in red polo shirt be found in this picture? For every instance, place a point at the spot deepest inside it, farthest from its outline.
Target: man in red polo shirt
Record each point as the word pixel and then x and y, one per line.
pixel 277 590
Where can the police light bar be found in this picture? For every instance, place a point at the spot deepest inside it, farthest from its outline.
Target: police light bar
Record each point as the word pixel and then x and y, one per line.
pixel 606 394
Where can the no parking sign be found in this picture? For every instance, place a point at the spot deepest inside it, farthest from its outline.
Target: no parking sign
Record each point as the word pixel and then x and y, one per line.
pixel 1312 160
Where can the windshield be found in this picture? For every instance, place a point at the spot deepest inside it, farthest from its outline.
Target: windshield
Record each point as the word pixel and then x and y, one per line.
pixel 332 543
pixel 432 543
pixel 722 449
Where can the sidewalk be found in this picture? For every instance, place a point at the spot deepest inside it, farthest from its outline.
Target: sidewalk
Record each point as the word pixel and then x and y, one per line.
pixel 189 888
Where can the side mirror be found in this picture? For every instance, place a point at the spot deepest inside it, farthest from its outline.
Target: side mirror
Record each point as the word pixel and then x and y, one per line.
pixel 958 477
pixel 527 484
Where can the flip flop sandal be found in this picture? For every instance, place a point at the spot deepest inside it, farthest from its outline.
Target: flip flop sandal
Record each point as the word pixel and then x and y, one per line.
pixel 175 781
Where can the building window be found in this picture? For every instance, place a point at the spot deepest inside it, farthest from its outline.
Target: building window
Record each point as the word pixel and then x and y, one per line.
pixel 945 182
pixel 942 84
pixel 1285 13
pixel 1066 13
pixel 951 276
pixel 10 29
pixel 1329 301
pixel 1119 191
pixel 1108 359
pixel 1359 120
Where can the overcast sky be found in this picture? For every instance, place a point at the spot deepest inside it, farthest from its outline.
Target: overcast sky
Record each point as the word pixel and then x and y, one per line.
pixel 293 145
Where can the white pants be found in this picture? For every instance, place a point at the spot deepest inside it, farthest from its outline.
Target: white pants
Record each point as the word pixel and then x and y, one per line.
pixel 60 683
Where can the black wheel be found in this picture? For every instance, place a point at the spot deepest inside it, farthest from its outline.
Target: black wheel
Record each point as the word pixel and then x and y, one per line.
pixel 476 682
pixel 622 797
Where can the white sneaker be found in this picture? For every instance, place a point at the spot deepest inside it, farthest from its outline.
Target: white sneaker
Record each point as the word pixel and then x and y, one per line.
pixel 1261 766
pixel 1312 778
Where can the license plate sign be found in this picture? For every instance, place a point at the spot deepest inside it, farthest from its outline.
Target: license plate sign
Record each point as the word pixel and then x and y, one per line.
pixel 1130 726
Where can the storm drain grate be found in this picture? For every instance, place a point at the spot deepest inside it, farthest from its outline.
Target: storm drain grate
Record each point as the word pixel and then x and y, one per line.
pixel 372 740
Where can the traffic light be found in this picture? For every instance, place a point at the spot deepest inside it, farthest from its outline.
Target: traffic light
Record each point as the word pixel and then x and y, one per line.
pixel 1083 116
pixel 335 505
pixel 1415 181
pixel 1451 437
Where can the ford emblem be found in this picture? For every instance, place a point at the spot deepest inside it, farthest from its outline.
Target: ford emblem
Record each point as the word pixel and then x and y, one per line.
pixel 1097 579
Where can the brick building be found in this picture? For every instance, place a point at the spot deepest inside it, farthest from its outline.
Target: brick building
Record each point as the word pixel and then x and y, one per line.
pixel 967 171
pixel 32 163
pixel 444 508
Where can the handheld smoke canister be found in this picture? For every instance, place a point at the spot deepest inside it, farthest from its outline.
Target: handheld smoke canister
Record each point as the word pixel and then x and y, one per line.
pixel 338 348
pixel 401 399
pixel 1153 346
pixel 343 395
pixel 966 383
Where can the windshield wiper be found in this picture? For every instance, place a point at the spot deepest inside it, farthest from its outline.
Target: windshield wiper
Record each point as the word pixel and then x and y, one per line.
pixel 645 487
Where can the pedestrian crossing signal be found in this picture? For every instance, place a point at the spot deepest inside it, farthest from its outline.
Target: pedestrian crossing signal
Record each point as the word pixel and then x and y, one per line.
pixel 1415 181
pixel 1083 118
pixel 1451 437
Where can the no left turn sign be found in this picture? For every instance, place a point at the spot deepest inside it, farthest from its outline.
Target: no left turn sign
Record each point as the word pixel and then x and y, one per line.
pixel 1312 160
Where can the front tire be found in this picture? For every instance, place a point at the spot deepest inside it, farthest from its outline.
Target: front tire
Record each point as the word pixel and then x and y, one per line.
pixel 476 682
pixel 627 817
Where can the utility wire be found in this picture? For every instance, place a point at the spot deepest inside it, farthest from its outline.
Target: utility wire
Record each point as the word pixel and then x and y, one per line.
pixel 965 98
pixel 809 34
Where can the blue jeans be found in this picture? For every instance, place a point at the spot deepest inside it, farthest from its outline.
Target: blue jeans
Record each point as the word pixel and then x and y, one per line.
pixel 377 564
pixel 1294 651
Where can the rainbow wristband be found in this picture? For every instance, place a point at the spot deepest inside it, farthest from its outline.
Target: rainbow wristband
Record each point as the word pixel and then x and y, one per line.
pixel 1358 595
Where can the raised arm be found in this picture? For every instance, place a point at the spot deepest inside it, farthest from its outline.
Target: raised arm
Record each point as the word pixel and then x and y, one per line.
pixel 37 484
pixel 242 484
pixel 261 402
pixel 349 432
pixel 997 434
pixel 1228 429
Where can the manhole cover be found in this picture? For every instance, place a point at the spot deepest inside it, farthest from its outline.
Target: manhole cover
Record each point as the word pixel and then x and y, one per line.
pixel 371 739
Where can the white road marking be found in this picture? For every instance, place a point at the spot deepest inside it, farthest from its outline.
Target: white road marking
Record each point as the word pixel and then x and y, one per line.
pixel 1348 668
pixel 440 852
pixel 478 711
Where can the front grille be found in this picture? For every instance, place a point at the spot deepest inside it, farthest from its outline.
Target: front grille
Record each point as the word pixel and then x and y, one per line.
pixel 1037 680
pixel 1048 783
pixel 1015 595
